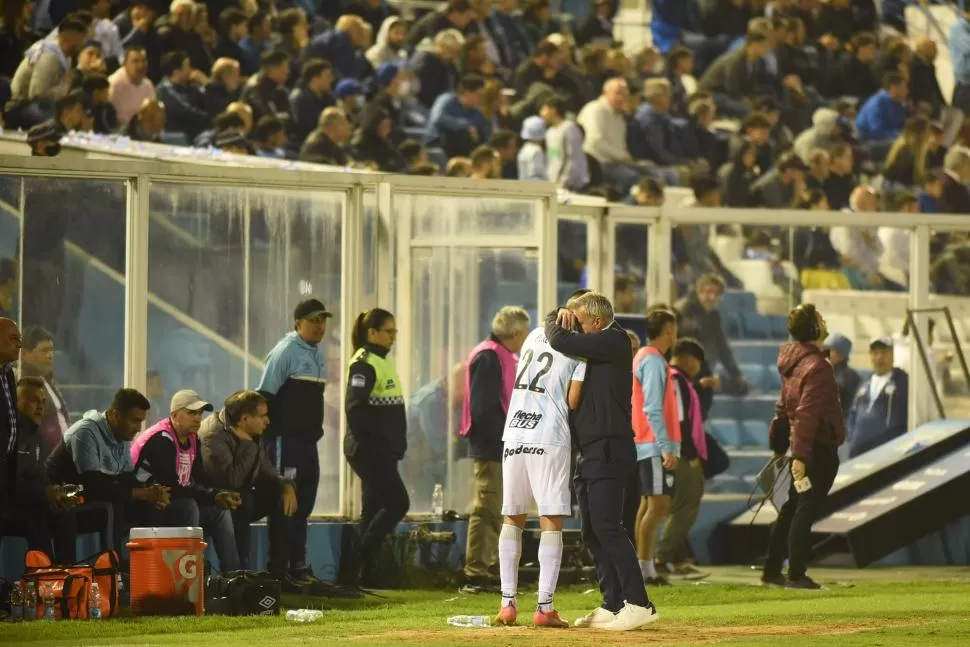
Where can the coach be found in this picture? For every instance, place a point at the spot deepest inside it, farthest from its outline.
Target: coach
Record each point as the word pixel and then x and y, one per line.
pixel 602 432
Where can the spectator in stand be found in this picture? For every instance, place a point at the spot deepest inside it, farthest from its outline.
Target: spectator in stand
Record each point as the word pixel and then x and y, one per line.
pixel 103 115
pixel 604 123
pixel 375 13
pixel 96 454
pixel 457 14
pixel 778 188
pixel 105 31
pixel 928 197
pixel 883 116
pixel 855 73
pixel 9 286
pixel 231 141
pixel 506 142
pixel 756 130
pixel 657 134
pixel 44 75
pixel 372 143
pixel 266 91
pixel 486 164
pixel 680 64
pixel 234 460
pixel 167 454
pixel 456 122
pixel 392 87
pixel 414 153
pixel 223 87
pixel 180 33
pixel 907 158
pixel 184 101
pixel 696 138
pixel 538 20
pixel 515 43
pixel 434 68
pixel 16 36
pixel 34 513
pixel 960 55
pixel 10 343
pixel 149 124
pixel 488 388
pixel 839 348
pixel 44 139
pixel 293 37
pixel 343 46
pixel 808 419
pixel 130 85
pixel 738 176
pixel 268 138
pixel 824 133
pixel 734 78
pixel 566 161
pixel 309 99
pixel 701 319
pixel 547 71
pixel 233 28
pixel 256 43
pixel 881 406
pixel 37 361
pixel 325 145
pixel 473 58
pixel 955 197
pixel 818 169
pixel 389 45
pixel 598 26
pixel 293 382
pixel 841 179
pixel 532 156
pixel 924 89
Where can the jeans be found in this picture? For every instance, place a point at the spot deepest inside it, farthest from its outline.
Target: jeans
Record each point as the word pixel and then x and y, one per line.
pixel 263 501
pixel 792 534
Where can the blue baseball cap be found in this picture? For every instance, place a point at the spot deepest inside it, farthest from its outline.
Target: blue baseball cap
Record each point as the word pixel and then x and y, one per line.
pixel 348 87
pixel 838 341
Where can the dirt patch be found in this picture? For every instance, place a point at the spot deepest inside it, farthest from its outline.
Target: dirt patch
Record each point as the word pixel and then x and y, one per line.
pixel 659 635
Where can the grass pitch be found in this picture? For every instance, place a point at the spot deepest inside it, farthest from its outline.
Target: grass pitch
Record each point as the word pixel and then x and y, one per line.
pixel 878 607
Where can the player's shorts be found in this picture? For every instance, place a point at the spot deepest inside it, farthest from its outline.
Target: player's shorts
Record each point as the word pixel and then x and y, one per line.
pixel 654 479
pixel 539 472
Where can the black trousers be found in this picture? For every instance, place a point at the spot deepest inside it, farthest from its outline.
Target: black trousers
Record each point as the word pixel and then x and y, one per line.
pixel 295 458
pixel 792 534
pixel 262 502
pixel 384 501
pixel 601 509
pixel 631 505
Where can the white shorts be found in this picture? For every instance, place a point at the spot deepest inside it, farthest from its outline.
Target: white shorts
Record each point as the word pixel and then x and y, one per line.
pixel 539 472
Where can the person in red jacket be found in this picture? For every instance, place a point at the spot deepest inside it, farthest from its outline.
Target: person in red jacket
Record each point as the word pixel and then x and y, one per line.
pixel 808 417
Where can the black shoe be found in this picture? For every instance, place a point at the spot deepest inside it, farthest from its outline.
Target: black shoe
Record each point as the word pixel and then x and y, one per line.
pixel 776 579
pixel 805 583
pixel 660 580
pixel 289 584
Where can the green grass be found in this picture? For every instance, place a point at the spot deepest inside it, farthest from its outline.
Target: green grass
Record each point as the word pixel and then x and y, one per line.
pixel 889 611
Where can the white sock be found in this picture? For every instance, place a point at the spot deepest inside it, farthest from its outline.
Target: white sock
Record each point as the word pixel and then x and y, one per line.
pixel 647 568
pixel 550 558
pixel 509 553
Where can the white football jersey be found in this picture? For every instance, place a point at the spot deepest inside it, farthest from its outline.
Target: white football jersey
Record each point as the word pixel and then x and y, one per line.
pixel 538 411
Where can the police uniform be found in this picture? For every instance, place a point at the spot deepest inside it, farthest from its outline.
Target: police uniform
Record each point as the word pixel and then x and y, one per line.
pixel 375 443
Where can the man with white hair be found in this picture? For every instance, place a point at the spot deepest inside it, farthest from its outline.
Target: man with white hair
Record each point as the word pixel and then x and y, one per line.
pixel 860 247
pixel 488 392
pixel 603 432
pixel 956 196
pixel 434 67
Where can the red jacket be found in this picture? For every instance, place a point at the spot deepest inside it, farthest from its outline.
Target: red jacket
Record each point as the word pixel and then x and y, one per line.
pixel 808 408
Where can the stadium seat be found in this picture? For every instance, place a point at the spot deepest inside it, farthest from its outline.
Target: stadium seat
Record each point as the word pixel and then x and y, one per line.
pixel 726 431
pixel 754 433
pixel 756 352
pixel 771 380
pixel 754 374
pixel 779 326
pixel 733 326
pixel 756 325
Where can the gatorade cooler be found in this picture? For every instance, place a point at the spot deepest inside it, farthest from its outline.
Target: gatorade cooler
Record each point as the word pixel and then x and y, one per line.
pixel 167 571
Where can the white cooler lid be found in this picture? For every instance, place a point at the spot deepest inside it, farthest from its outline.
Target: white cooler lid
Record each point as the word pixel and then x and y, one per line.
pixel 166 533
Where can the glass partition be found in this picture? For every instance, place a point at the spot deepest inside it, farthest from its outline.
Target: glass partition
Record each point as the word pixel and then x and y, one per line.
pixel 71 295
pixel 630 252
pixel 226 268
pixel 572 257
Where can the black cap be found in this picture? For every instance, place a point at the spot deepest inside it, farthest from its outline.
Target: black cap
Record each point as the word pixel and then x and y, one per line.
pixel 310 309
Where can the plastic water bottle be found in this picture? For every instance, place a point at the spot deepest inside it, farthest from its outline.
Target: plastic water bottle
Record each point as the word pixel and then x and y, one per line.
pixel 50 610
pixel 94 602
pixel 470 621
pixel 17 602
pixel 30 601
pixel 438 500
pixel 304 615
pixel 71 490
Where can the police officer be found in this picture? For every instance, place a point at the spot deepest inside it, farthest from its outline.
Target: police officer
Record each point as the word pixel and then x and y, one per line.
pixel 293 385
pixel 377 433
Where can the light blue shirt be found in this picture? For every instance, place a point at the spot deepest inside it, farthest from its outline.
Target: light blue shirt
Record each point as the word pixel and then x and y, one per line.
pixel 94 448
pixel 652 373
pixel 960 51
pixel 291 357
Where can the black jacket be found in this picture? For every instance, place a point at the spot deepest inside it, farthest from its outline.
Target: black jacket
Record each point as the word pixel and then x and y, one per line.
pixel 266 98
pixel 8 425
pixel 485 404
pixel 374 430
pixel 601 427
pixel 31 475
pixel 218 98
pixel 848 381
pixel 306 106
pixel 319 148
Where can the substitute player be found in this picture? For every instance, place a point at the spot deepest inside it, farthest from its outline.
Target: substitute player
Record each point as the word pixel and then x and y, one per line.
pixel 536 465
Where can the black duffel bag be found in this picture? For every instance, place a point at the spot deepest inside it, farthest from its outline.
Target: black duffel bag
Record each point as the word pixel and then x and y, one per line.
pixel 242 593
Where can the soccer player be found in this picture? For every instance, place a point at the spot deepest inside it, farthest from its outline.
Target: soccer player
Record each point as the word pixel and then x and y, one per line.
pixel 536 464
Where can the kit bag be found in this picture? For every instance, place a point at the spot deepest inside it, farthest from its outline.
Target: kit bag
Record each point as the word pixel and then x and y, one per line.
pixel 242 593
pixel 102 568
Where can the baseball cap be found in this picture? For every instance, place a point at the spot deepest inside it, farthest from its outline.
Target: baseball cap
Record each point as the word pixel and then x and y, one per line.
pixel 310 309
pixel 347 87
pixel 533 128
pixel 838 341
pixel 189 399
pixel 881 342
pixel 386 73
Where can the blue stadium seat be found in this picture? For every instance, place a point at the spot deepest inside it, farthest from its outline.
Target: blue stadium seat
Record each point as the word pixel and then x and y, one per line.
pixel 754 433
pixel 754 374
pixel 771 380
pixel 756 407
pixel 756 352
pixel 733 326
pixel 756 325
pixel 726 431
pixel 779 327
pixel 726 484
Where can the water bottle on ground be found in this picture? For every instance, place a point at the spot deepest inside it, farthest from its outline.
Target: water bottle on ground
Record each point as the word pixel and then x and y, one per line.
pixel 94 601
pixel 71 490
pixel 30 601
pixel 49 604
pixel 470 621
pixel 304 615
pixel 438 500
pixel 17 601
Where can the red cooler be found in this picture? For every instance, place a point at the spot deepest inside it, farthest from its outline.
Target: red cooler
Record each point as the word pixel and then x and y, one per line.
pixel 167 571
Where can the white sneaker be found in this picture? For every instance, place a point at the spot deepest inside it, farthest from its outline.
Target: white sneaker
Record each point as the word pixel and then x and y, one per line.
pixel 632 617
pixel 598 618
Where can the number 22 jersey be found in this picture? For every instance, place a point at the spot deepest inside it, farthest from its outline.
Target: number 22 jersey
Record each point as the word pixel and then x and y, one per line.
pixel 538 411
